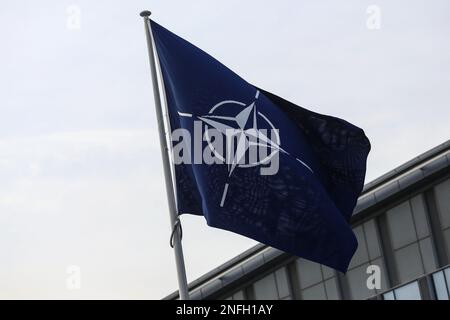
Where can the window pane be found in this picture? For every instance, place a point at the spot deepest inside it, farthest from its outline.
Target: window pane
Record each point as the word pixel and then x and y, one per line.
pixel 401 226
pixel 447 277
pixel 389 295
pixel 265 289
pixel 439 286
pixel 309 272
pixel 331 288
pixel 316 292
pixel 442 192
pixel 409 292
pixel 409 264
pixel 447 240
pixel 373 243
pixel 357 282
pixel 420 217
pixel 238 295
pixel 428 257
pixel 282 283
pixel 361 255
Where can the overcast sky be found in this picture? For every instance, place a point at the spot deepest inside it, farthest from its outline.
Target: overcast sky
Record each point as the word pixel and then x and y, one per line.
pixel 81 179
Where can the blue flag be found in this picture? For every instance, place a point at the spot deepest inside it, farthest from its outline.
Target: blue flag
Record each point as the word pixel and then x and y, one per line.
pixel 255 164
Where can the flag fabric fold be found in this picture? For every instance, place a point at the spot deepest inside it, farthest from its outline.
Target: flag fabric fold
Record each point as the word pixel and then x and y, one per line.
pixel 297 196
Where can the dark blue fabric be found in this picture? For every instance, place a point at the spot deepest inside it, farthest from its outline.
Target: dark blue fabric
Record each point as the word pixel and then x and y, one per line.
pixel 300 210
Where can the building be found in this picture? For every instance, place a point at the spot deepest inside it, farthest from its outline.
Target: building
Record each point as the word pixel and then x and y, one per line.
pixel 402 222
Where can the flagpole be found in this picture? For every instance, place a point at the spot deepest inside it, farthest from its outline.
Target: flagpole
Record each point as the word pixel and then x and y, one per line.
pixel 174 220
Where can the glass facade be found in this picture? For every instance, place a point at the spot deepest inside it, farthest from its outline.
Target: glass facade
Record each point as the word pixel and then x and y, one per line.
pixel 409 291
pixel 441 282
pixel 401 240
pixel 410 237
pixel 442 194
pixel 369 252
pixel 274 286
pixel 316 282
pixel 239 295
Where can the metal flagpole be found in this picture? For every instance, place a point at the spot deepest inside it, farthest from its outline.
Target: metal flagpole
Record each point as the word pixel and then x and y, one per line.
pixel 176 231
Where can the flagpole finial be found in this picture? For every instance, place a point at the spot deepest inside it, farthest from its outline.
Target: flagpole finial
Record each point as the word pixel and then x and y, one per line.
pixel 145 14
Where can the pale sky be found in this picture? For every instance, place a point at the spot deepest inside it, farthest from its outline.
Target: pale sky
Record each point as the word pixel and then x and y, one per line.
pixel 80 165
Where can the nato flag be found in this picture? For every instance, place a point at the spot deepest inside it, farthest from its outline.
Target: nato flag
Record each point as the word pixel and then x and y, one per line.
pixel 256 164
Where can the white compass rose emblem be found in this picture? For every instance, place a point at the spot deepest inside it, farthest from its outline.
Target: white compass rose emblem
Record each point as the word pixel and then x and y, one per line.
pixel 242 127
pixel 245 128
